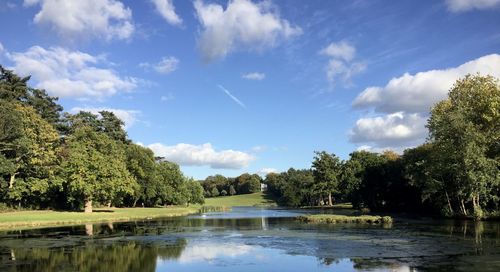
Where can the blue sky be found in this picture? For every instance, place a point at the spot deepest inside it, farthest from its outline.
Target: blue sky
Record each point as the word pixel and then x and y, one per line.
pixel 253 86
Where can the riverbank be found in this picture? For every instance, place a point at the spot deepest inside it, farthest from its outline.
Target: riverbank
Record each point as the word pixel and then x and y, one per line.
pixel 260 199
pixel 35 219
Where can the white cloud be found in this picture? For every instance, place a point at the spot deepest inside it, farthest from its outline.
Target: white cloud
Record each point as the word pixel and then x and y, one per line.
pixel 165 66
pixel 340 66
pixel 341 50
pixel 167 11
pixel 243 24
pixel 202 155
pixel 417 93
pixel 465 5
pixel 2 49
pixel 129 117
pixel 107 19
pixel 66 73
pixel 265 171
pixel 392 130
pixel 254 76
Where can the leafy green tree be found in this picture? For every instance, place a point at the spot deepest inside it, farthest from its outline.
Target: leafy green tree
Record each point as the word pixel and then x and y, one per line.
pixel 327 170
pixel 29 148
pixel 141 165
pixel 170 187
pixel 113 126
pixel 95 169
pixel 223 193
pixel 232 191
pixel 465 128
pixel 214 192
pixel 247 184
pixel 195 192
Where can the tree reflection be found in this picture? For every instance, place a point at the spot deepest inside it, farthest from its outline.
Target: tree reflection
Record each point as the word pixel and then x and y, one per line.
pixel 121 256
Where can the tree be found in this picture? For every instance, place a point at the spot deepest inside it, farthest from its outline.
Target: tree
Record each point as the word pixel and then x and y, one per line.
pixel 326 169
pixel 223 193
pixel 214 192
pixel 465 128
pixel 247 184
pixel 232 191
pixel 195 192
pixel 95 169
pixel 29 148
pixel 169 185
pixel 141 165
pixel 113 126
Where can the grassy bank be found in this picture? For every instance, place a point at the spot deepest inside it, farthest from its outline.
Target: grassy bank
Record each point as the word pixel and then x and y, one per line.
pixel 24 219
pixel 335 218
pixel 256 199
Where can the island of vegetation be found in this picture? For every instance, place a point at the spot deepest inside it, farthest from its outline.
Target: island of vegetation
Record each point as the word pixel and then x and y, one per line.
pixel 336 218
pixel 58 161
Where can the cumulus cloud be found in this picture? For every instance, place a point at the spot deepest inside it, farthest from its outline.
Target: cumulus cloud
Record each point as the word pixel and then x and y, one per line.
pixel 129 117
pixel 417 93
pixel 66 73
pixel 341 50
pixel 243 24
pixel 390 130
pixel 167 11
pixel 341 65
pixel 466 5
pixel 403 104
pixel 107 19
pixel 202 155
pixel 254 76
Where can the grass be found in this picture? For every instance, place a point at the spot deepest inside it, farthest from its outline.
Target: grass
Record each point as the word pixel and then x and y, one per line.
pixel 336 218
pixel 255 199
pixel 27 219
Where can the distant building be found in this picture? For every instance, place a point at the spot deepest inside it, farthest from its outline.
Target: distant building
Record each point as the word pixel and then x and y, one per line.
pixel 263 187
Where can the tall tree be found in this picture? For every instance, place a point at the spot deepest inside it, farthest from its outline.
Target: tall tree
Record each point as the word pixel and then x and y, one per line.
pixel 95 169
pixel 466 130
pixel 29 148
pixel 327 170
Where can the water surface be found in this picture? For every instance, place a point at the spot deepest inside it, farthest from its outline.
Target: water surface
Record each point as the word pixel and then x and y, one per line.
pixel 253 239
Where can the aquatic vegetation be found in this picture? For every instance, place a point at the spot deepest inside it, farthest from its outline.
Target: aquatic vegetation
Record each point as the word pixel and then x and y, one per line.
pixel 205 209
pixel 335 218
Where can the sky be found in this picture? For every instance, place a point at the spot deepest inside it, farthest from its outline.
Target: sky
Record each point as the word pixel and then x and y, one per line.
pixel 234 86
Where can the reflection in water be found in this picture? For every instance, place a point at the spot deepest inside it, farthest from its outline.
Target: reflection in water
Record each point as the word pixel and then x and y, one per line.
pixel 229 243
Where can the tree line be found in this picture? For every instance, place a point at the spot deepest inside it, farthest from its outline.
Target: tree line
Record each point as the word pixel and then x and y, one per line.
pixel 219 185
pixel 455 173
pixel 53 159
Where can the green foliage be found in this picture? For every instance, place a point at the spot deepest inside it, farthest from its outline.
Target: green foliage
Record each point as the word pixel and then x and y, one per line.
pixel 327 171
pixel 465 130
pixel 247 184
pixel 195 192
pixel 94 168
pixel 214 192
pixel 232 191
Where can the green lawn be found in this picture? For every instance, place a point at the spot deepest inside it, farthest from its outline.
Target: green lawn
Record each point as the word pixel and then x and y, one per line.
pixel 256 199
pixel 50 218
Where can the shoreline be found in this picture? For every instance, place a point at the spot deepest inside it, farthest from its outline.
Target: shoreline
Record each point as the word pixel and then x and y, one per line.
pixel 49 218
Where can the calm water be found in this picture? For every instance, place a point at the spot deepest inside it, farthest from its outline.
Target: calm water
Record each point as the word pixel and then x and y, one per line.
pixel 250 239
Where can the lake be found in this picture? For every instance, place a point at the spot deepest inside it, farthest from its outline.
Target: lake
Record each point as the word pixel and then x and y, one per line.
pixel 254 239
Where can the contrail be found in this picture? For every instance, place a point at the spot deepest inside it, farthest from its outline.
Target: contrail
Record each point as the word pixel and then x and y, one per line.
pixel 234 98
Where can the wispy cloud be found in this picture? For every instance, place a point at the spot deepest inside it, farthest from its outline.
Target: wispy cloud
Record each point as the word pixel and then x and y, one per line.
pixel 234 98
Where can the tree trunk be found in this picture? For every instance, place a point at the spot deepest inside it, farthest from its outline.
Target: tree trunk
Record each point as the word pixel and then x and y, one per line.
pixel 330 201
pixel 449 203
pixel 88 205
pixel 464 210
pixel 11 180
